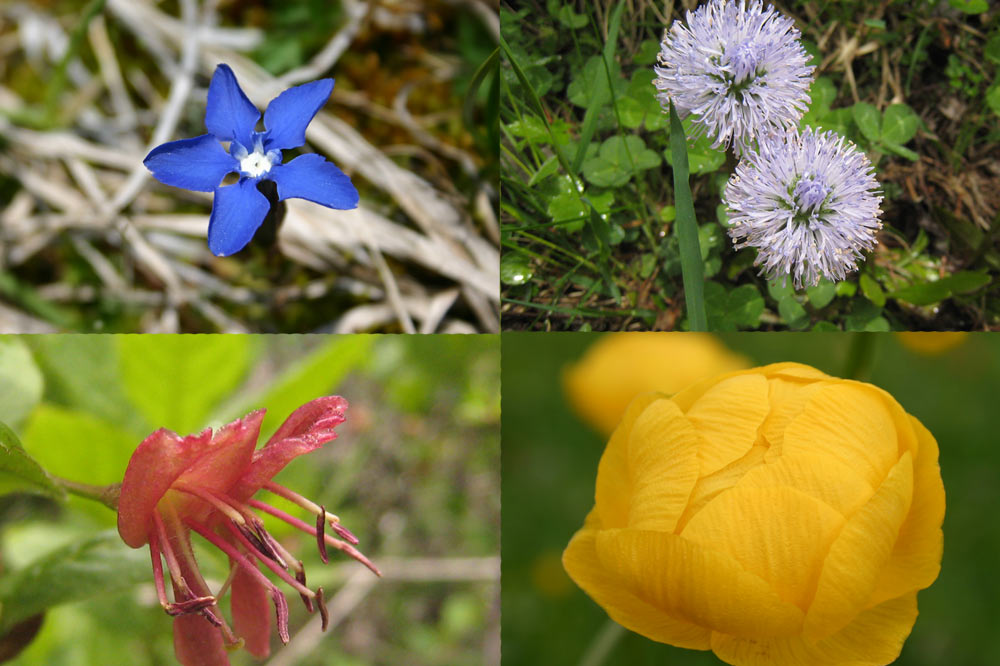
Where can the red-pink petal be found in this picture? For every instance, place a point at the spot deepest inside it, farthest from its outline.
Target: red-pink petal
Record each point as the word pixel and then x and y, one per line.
pixel 251 612
pixel 165 458
pixel 156 463
pixel 308 428
pixel 198 643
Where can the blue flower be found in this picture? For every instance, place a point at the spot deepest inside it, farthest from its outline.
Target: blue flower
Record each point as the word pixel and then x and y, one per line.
pixel 201 163
pixel 739 71
pixel 809 202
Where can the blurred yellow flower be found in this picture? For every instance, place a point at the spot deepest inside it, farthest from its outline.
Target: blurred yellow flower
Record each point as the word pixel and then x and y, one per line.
pixel 620 366
pixel 930 343
pixel 776 516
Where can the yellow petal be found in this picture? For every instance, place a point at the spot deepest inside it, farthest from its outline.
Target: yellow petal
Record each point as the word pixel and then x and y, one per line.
pixel 874 638
pixel 797 372
pixel 916 559
pixel 708 487
pixel 816 475
pixel 788 397
pixel 859 554
pixel 849 422
pixel 613 491
pixel 663 464
pixel 727 417
pixel 701 586
pixel 624 606
pixel 777 533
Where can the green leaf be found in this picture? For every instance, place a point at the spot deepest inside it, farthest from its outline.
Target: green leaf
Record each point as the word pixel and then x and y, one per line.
pixel 901 151
pixel 868 120
pixel 571 19
pixel 318 374
pixel 19 472
pixel 792 312
pixel 88 568
pixel 970 6
pixel 899 124
pixel 993 98
pixel 613 166
pixel 739 308
pixel 825 327
pixel 927 293
pixel 648 50
pixel 702 158
pixel 176 380
pixel 515 269
pixel 20 381
pixel 78 445
pixel 992 48
pixel 821 295
pixel 74 364
pixel 871 289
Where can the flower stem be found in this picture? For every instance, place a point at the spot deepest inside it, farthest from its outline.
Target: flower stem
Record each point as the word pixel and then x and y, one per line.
pixel 603 644
pixel 860 355
pixel 692 267
pixel 106 495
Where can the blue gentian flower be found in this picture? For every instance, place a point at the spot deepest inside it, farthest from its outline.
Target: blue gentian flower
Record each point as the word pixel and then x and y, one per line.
pixel 201 163
pixel 738 70
pixel 809 202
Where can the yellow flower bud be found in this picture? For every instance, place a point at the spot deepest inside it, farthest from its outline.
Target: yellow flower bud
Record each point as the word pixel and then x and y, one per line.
pixel 620 366
pixel 930 343
pixel 776 516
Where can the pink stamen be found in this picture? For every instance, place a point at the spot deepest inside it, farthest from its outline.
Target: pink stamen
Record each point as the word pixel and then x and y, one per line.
pixel 230 512
pixel 280 604
pixel 154 552
pixel 312 507
pixel 270 564
pixel 329 540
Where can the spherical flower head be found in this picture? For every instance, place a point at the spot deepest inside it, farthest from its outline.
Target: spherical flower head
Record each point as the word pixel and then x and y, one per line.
pixel 740 71
pixel 776 516
pixel 808 202
pixel 620 366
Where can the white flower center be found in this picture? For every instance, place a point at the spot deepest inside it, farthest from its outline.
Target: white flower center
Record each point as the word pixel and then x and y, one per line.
pixel 255 164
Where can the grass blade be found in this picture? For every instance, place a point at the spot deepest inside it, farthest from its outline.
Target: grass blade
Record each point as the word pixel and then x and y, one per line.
pixel 692 267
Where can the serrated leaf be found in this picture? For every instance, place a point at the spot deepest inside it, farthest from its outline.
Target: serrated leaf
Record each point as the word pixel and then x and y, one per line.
pixel 176 380
pixel 868 120
pixel 613 166
pixel 100 565
pixel 899 124
pixel 19 472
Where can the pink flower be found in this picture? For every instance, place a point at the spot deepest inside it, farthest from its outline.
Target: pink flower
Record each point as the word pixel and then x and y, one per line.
pixel 205 483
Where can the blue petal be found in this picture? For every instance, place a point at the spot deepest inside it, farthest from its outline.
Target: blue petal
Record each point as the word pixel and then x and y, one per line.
pixel 236 213
pixel 312 177
pixel 288 114
pixel 194 164
pixel 229 115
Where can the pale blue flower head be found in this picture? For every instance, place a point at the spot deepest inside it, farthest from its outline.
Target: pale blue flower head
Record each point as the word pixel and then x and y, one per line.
pixel 739 71
pixel 201 163
pixel 809 202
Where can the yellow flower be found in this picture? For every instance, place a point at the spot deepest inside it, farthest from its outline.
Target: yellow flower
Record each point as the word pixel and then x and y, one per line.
pixel 620 366
pixel 930 343
pixel 777 516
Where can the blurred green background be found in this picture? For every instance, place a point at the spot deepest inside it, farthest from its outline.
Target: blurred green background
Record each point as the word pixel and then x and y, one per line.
pixel 414 473
pixel 550 466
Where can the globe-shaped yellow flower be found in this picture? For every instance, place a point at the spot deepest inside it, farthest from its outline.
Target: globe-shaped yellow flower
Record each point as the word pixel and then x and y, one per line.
pixel 777 516
pixel 620 366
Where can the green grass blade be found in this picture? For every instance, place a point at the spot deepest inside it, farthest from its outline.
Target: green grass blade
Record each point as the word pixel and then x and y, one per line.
pixel 692 267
